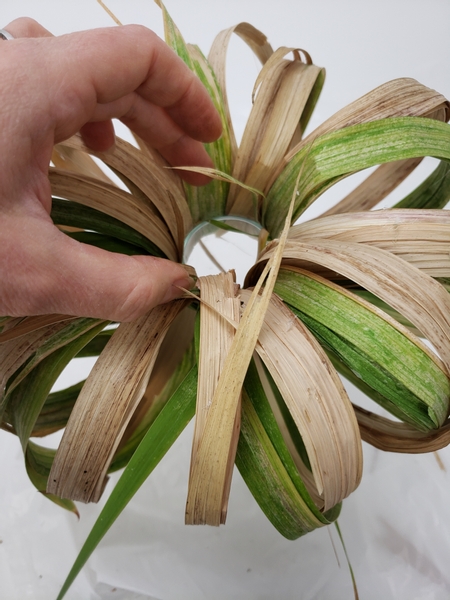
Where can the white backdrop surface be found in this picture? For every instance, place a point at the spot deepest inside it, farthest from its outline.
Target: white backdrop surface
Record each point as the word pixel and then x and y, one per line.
pixel 397 524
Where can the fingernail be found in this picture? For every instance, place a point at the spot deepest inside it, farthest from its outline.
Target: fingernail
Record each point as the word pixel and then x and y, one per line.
pixel 176 289
pixel 111 150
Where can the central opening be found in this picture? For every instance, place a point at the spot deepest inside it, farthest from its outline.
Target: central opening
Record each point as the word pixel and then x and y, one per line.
pixel 221 244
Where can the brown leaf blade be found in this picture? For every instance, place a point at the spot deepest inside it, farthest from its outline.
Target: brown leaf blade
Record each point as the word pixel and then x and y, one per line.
pixel 413 293
pixel 216 336
pixel 316 400
pixel 106 404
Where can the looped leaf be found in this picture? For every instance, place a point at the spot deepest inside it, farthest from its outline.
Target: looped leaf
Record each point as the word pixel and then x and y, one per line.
pixel 216 337
pixel 316 400
pixel 340 153
pixel 388 358
pixel 288 91
pixel 210 200
pixel 421 299
pixel 257 41
pixel 421 237
pixel 96 424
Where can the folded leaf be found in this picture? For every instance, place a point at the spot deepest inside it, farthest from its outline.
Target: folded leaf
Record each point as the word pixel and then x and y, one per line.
pixel 210 200
pixel 174 417
pixel 434 192
pixel 269 470
pixel 381 352
pixel 96 424
pixel 335 155
pixel 316 400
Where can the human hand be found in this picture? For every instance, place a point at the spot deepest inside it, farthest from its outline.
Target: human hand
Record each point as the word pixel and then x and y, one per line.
pixel 53 87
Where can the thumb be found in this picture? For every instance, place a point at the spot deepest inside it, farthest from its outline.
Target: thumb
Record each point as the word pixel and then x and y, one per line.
pixel 52 273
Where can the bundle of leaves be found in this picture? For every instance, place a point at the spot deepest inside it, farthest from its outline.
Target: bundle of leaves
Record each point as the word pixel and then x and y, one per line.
pixel 357 292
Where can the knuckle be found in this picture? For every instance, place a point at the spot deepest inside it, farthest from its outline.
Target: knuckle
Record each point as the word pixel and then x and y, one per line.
pixel 26 27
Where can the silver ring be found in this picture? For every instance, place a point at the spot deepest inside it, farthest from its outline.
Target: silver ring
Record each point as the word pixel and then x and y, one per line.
pixel 5 35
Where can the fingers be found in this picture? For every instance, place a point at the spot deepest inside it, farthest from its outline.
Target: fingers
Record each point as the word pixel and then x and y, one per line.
pixel 108 65
pixel 51 273
pixel 168 104
pixel 98 136
pixel 27 28
pixel 167 81
pixel 74 82
pixel 124 72
pixel 153 124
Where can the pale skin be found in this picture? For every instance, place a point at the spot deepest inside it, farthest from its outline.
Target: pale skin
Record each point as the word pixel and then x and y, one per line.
pixel 53 87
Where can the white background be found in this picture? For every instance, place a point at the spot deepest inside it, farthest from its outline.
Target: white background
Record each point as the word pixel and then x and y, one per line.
pixel 397 524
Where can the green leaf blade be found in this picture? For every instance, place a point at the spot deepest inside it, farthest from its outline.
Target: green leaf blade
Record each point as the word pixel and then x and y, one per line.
pixel 372 348
pixel 171 421
pixel 74 214
pixel 433 193
pixel 208 201
pixel 269 470
pixel 335 155
pixel 38 461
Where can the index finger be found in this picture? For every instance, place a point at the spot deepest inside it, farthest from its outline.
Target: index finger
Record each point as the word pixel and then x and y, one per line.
pixel 126 72
pixel 105 65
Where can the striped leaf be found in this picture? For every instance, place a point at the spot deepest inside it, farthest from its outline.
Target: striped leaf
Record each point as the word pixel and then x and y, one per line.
pixel 380 352
pixel 208 201
pixel 335 155
pixel 174 417
pixel 268 468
